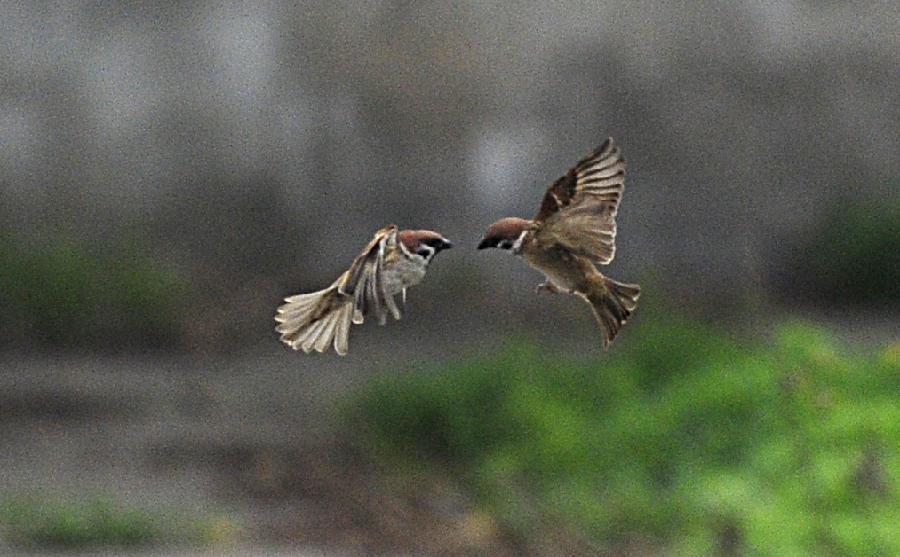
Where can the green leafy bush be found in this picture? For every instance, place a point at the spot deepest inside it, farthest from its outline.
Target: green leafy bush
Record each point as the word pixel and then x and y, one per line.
pixel 60 293
pixel 685 439
pixel 33 521
pixel 96 522
pixel 854 256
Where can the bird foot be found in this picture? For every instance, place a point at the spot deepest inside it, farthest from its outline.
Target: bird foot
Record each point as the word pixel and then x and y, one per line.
pixel 548 286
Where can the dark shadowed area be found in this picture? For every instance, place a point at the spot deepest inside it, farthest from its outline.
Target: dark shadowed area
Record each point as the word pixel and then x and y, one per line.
pixel 169 173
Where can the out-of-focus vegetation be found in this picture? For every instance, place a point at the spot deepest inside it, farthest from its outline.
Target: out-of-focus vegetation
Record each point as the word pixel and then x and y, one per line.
pixel 853 257
pixel 61 293
pixel 31 521
pixel 683 439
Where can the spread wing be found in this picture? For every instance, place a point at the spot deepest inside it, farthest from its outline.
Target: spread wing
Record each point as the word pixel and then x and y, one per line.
pixel 578 211
pixel 364 280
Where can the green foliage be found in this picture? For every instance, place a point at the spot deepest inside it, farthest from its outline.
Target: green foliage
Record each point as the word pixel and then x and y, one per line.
pixel 62 294
pixel 98 522
pixel 854 256
pixel 697 442
pixel 31 521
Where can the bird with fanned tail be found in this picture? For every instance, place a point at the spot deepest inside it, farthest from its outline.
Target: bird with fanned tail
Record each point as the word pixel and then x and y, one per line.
pixel 393 261
pixel 574 229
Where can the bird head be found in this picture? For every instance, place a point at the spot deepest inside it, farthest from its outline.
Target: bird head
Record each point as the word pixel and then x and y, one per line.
pixel 505 234
pixel 424 243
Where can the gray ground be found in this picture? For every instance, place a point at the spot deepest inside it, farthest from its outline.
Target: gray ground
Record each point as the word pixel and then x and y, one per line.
pixel 249 436
pixel 247 552
pixel 160 433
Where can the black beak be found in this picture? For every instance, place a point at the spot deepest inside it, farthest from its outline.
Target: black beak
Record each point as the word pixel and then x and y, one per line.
pixel 485 243
pixel 446 244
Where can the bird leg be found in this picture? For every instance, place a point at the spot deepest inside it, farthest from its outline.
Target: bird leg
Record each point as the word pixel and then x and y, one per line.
pixel 548 286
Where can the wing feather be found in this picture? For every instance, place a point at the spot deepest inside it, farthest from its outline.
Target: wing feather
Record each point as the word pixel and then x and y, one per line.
pixel 579 210
pixel 364 280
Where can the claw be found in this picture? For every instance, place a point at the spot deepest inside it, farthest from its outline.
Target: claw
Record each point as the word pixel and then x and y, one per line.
pixel 549 287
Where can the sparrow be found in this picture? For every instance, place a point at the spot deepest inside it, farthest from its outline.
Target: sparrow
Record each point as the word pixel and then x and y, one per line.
pixel 574 229
pixel 393 261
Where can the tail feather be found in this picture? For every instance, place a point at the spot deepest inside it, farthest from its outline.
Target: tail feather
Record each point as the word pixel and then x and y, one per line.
pixel 297 310
pixel 312 335
pixel 342 332
pixel 327 335
pixel 315 320
pixel 612 302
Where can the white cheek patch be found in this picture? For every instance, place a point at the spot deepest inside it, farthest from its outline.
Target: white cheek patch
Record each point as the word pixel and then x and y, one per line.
pixel 426 251
pixel 517 245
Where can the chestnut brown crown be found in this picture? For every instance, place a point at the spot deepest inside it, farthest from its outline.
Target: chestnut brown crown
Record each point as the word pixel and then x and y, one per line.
pixel 504 233
pixel 426 243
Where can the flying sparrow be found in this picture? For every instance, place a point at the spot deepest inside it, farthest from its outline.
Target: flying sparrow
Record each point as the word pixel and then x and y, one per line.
pixel 391 262
pixel 574 228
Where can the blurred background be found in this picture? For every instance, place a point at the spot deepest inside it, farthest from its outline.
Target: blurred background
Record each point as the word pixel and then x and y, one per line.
pixel 169 172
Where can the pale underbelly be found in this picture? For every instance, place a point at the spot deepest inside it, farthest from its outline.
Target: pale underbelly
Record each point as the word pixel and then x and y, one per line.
pixel 558 272
pixel 403 275
pixel 561 281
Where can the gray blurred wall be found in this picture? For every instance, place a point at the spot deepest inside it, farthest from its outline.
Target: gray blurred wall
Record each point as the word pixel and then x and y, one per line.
pixel 268 140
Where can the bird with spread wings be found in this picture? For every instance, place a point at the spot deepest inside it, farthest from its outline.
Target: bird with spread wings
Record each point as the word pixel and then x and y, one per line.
pixel 574 229
pixel 393 261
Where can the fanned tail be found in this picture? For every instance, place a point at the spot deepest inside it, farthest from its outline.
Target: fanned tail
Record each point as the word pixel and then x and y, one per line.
pixel 612 302
pixel 316 320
